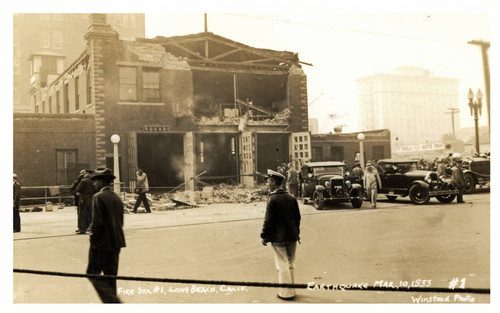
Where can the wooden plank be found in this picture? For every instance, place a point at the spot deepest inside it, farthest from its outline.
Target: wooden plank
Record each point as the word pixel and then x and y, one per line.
pixel 191 52
pixel 225 54
pixel 237 70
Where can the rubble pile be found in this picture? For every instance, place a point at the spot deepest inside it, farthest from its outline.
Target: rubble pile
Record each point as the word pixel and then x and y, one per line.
pixel 223 193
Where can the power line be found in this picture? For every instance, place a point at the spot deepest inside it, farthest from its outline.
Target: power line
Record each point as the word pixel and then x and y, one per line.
pixel 347 29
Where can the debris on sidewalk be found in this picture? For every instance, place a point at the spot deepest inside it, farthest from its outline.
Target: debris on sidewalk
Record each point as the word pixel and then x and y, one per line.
pixel 222 193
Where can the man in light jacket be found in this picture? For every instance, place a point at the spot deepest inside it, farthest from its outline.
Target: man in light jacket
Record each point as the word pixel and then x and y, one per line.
pixel 142 183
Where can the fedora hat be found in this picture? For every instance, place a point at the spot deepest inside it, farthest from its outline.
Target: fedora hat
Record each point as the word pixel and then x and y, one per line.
pixel 274 174
pixel 103 173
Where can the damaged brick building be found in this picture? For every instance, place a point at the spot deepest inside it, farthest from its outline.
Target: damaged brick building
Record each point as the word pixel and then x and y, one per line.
pixel 181 105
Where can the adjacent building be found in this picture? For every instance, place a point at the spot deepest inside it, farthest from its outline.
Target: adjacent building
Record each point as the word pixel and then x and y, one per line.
pixel 346 146
pixel 57 35
pixel 187 108
pixel 411 103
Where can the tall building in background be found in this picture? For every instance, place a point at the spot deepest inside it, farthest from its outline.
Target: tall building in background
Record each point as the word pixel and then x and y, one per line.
pixel 313 126
pixel 57 37
pixel 410 102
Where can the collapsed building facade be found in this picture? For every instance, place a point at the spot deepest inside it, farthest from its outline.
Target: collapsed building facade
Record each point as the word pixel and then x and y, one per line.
pixel 182 106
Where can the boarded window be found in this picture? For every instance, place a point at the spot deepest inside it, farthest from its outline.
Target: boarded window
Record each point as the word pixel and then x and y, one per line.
pixel 128 83
pixel 151 84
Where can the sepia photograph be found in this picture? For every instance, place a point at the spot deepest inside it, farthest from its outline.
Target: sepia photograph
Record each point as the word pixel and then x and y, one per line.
pixel 249 154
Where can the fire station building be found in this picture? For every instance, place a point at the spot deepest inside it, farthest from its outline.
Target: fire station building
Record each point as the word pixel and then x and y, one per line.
pixel 182 106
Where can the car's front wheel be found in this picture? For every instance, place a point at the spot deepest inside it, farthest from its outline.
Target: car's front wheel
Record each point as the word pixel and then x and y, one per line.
pixel 470 183
pixel 447 198
pixel 319 200
pixel 419 194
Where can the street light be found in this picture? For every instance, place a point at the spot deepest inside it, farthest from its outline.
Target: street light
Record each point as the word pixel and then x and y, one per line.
pixel 361 137
pixel 115 139
pixel 475 106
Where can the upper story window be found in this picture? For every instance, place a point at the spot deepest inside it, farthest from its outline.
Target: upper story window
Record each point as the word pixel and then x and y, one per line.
pixel 151 84
pixel 57 17
pixel 141 84
pixel 45 17
pixel 57 40
pixel 45 40
pixel 128 83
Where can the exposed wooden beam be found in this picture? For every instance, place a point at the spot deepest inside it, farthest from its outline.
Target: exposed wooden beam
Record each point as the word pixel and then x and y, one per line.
pixel 225 54
pixel 237 70
pixel 279 67
pixel 190 51
pixel 250 49
pixel 259 60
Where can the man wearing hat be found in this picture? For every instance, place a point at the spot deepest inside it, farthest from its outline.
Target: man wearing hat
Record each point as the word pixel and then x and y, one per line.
pixel 74 185
pixel 17 198
pixel 282 228
pixel 85 191
pixel 457 176
pixel 106 235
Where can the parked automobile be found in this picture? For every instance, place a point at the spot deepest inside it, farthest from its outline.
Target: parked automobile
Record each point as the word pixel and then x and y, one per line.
pixel 329 182
pixel 400 179
pixel 476 172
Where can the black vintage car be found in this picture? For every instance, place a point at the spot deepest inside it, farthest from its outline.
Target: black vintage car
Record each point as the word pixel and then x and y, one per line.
pixel 329 181
pixel 400 178
pixel 476 172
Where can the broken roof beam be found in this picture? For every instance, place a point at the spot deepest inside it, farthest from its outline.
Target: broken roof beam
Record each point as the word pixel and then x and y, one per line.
pixel 225 54
pixel 254 107
pixel 196 54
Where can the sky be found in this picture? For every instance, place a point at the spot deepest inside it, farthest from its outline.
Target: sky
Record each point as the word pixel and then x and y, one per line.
pixel 345 46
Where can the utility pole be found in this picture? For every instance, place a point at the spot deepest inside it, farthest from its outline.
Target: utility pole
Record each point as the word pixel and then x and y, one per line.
pixel 452 112
pixel 485 45
pixel 206 37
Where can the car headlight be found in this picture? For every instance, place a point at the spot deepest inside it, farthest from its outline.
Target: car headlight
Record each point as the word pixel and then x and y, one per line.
pixel 348 184
pixel 327 184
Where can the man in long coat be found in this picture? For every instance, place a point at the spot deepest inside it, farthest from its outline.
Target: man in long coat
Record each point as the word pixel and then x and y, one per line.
pixel 85 191
pixel 282 228
pixel 17 198
pixel 106 238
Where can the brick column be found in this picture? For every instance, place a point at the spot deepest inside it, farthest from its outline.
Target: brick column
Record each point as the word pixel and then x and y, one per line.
pixel 297 99
pixel 98 34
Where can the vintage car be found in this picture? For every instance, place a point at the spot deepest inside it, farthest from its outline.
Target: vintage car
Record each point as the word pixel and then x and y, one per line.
pixel 329 181
pixel 400 178
pixel 476 172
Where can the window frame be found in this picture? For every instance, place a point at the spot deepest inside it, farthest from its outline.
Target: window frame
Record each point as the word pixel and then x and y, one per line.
pixel 57 44
pixel 131 82
pixel 45 38
pixel 66 180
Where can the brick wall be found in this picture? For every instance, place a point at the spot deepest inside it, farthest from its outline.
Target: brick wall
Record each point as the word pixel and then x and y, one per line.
pixel 37 137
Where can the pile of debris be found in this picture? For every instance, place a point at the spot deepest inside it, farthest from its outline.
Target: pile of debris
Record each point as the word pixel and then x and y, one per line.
pixel 222 193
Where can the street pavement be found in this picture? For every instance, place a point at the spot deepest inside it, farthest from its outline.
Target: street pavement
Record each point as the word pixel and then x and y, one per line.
pixel 398 243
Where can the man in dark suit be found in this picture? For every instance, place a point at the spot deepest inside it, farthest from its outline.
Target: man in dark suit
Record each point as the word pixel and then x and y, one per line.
pixel 17 198
pixel 282 228
pixel 106 237
pixel 85 190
